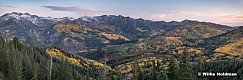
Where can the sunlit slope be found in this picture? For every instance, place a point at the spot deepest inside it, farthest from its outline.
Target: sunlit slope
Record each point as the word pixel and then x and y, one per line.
pixel 73 59
pixel 198 30
pixel 235 48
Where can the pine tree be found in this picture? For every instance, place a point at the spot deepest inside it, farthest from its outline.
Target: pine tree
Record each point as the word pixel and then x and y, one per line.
pixel 135 66
pixel 1 39
pixel 14 63
pixel 185 68
pixel 154 70
pixel 64 71
pixel 3 60
pixel 172 71
pixel 105 71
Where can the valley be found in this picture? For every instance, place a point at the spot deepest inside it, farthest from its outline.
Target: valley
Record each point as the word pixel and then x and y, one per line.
pixel 111 47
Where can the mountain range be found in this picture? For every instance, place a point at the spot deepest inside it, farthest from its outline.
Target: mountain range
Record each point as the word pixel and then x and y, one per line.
pixel 90 47
pixel 87 34
pixel 119 35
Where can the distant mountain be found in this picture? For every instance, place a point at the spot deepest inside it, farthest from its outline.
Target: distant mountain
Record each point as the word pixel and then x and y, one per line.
pixel 224 46
pixel 185 33
pixel 228 43
pixel 26 27
pixel 112 47
pixel 198 30
pixel 89 34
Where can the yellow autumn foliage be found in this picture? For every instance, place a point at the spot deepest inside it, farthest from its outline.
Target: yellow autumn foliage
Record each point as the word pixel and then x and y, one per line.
pixel 126 68
pixel 105 40
pixel 193 51
pixel 197 30
pixel 173 40
pixel 66 27
pixel 114 36
pixel 234 49
pixel 76 61
pixel 202 29
pixel 59 55
pixel 73 60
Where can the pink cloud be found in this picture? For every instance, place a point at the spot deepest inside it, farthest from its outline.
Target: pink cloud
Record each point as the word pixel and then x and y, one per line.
pixel 232 19
pixel 75 9
pixel 53 11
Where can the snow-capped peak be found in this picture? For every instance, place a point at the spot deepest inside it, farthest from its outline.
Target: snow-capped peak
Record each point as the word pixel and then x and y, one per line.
pixel 69 18
pixel 17 15
pixel 26 16
pixel 32 18
pixel 88 18
pixel 51 19
pixel 10 15
pixel 21 16
pixel 58 19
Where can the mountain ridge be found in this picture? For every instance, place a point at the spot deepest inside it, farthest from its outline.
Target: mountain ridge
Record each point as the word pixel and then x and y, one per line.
pixel 42 32
pixel 88 47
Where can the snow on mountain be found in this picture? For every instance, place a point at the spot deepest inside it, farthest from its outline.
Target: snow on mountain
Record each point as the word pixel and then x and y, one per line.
pixel 88 19
pixel 22 16
pixel 11 15
pixel 32 18
pixel 39 20
pixel 52 19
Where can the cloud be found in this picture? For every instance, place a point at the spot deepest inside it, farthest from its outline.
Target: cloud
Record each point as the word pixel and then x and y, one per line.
pixel 56 11
pixel 227 18
pixel 77 10
pixel 231 19
pixel 10 6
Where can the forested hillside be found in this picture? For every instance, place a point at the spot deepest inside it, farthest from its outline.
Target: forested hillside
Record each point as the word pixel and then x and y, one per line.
pixel 89 34
pixel 198 30
pixel 20 61
pixel 113 47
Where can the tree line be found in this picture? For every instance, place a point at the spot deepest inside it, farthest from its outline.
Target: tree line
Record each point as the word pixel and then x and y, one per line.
pixel 19 61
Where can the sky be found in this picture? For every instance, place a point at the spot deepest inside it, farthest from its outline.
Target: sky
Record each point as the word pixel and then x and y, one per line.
pixel 226 12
